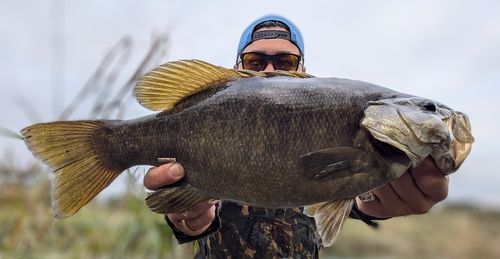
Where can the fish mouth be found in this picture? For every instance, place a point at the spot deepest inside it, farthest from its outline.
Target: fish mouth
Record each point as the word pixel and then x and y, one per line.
pixel 392 156
pixel 449 160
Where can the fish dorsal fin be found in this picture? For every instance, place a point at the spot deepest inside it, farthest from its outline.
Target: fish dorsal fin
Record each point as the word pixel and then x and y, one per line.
pixel 329 217
pixel 165 86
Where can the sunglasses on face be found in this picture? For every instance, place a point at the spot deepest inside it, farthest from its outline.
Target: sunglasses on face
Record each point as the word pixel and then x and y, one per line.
pixel 258 61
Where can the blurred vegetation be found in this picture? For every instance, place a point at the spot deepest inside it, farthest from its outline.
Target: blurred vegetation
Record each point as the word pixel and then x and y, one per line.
pixel 454 231
pixel 125 228
pixel 119 228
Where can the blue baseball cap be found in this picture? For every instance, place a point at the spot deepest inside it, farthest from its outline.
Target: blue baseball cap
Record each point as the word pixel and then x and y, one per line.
pixel 249 36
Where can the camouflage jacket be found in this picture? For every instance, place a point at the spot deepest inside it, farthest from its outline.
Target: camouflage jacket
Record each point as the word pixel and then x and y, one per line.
pixel 242 231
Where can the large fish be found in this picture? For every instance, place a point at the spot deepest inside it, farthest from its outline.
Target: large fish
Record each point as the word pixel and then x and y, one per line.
pixel 270 139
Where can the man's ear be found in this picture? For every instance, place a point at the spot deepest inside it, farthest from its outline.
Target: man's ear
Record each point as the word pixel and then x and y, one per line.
pixel 235 66
pixel 303 69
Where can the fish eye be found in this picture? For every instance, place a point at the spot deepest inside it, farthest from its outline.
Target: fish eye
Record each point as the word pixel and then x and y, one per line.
pixel 430 106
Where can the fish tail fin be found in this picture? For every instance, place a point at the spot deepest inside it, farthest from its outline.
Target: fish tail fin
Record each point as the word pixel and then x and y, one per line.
pixel 69 149
pixel 330 217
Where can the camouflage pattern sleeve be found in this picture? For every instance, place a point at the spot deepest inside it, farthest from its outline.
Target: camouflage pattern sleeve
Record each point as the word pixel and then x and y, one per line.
pixel 250 232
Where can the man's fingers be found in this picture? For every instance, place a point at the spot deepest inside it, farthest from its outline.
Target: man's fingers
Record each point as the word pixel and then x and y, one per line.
pixel 203 219
pixel 414 192
pixel 192 212
pixel 414 201
pixel 386 204
pixel 166 174
pixel 196 220
pixel 430 180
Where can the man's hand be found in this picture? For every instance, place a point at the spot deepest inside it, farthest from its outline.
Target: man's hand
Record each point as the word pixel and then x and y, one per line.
pixel 415 192
pixel 198 218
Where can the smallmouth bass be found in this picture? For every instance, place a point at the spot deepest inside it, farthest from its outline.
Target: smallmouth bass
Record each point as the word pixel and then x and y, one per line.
pixel 269 139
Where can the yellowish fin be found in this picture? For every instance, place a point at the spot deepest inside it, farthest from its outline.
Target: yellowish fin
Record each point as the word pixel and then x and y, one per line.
pixel 168 84
pixel 68 148
pixel 165 86
pixel 330 217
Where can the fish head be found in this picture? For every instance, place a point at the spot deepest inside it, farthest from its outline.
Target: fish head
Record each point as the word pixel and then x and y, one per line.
pixel 419 127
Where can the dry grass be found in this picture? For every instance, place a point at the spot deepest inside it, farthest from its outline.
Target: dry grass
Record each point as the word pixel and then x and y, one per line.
pixel 123 228
pixel 456 232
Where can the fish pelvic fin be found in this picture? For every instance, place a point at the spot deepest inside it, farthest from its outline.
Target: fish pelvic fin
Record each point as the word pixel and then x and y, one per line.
pixel 165 86
pixel 68 148
pixel 175 198
pixel 330 217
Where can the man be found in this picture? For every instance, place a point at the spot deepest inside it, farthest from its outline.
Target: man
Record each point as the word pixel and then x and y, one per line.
pixel 228 229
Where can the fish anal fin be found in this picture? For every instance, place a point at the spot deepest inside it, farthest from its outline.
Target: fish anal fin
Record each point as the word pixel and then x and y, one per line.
pixel 175 198
pixel 330 217
pixel 335 163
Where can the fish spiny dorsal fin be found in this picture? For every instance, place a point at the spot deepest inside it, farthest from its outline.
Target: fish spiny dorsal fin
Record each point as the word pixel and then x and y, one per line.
pixel 330 217
pixel 165 86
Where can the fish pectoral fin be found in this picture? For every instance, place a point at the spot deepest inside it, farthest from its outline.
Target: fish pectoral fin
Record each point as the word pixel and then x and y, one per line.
pixel 175 198
pixel 335 163
pixel 330 217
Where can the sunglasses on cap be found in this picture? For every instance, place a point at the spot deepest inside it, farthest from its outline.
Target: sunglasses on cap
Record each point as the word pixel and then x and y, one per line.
pixel 257 61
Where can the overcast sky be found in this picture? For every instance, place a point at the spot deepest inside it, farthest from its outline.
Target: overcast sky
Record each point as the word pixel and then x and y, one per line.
pixel 448 51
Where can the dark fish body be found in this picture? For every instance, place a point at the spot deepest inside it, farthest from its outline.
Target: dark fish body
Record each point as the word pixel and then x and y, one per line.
pixel 270 139
pixel 244 141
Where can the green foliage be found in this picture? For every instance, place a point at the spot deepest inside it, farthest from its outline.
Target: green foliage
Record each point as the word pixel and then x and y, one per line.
pixel 120 228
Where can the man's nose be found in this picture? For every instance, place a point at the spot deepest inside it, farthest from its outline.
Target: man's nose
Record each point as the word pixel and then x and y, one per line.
pixel 269 67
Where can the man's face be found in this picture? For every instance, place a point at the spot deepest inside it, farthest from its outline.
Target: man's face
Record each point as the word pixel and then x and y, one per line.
pixel 272 47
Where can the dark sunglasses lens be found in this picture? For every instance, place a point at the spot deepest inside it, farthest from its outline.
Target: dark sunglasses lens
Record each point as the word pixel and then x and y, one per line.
pixel 254 61
pixel 286 62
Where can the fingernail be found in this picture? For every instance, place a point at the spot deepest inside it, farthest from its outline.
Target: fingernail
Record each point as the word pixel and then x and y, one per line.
pixel 175 171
